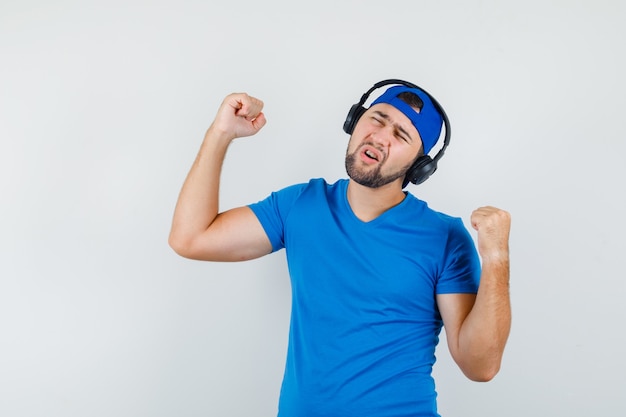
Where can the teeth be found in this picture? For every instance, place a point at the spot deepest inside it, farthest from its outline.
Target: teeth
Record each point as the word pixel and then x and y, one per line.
pixel 370 154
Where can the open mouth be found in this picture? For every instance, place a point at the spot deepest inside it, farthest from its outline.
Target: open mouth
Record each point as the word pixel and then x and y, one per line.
pixel 371 154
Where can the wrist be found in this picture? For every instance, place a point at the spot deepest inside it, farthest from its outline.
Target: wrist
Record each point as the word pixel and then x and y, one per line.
pixel 496 257
pixel 217 135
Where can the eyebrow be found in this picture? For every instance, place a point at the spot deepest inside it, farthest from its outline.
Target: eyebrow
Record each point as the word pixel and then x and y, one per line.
pixel 396 125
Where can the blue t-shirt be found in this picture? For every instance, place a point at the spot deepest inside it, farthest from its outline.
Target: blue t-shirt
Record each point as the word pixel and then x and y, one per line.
pixel 364 321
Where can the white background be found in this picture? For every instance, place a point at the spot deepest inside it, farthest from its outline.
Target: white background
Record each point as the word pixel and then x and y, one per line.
pixel 103 106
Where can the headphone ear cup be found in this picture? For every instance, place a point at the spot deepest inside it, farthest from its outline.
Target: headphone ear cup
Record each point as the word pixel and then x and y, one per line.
pixel 422 168
pixel 355 113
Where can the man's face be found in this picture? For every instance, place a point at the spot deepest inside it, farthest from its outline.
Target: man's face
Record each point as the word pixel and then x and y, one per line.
pixel 383 146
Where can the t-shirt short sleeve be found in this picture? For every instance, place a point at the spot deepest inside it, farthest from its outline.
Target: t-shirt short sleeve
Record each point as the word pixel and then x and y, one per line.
pixel 273 211
pixel 461 271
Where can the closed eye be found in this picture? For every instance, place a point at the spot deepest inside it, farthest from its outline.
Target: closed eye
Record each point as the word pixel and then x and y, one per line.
pixel 377 121
pixel 402 137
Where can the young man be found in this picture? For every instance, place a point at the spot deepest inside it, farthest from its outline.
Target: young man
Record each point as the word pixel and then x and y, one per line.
pixel 375 272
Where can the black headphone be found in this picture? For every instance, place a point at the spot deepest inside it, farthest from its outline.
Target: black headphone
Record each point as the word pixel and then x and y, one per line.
pixel 424 166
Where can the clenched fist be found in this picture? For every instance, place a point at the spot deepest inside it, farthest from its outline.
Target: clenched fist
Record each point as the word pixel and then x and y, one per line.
pixel 239 115
pixel 493 226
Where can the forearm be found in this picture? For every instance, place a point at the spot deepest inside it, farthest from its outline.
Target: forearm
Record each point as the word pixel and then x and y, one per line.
pixel 198 201
pixel 484 332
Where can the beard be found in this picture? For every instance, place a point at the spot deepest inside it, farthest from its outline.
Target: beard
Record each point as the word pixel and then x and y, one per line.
pixel 371 178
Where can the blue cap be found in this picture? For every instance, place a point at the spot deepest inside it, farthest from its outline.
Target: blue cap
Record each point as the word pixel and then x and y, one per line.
pixel 428 121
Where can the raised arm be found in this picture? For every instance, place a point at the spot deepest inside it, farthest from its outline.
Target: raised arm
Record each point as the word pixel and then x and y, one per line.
pixel 199 230
pixel 477 327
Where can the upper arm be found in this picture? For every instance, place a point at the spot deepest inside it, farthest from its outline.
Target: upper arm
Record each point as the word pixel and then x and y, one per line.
pixel 454 309
pixel 234 235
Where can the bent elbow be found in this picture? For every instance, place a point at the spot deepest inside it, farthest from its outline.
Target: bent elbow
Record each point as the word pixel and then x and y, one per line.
pixel 483 373
pixel 175 245
pixel 483 377
pixel 194 248
pixel 179 245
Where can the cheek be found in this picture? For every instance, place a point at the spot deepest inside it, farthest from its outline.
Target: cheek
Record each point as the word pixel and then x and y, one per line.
pixel 405 156
pixel 353 144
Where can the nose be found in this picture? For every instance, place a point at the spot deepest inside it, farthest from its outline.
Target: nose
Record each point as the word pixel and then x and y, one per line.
pixel 382 136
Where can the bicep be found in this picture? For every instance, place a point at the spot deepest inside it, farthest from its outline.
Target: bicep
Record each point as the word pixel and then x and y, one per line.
pixel 234 235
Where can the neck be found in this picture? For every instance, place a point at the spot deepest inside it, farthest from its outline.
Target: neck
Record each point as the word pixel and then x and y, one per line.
pixel 369 203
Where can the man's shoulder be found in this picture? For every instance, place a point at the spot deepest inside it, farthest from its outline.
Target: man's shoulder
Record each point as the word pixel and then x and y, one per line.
pixel 317 186
pixel 433 216
pixel 324 183
pixel 311 190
